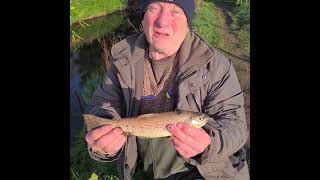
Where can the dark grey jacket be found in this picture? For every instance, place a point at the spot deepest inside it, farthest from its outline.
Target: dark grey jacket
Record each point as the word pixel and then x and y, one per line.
pixel 207 82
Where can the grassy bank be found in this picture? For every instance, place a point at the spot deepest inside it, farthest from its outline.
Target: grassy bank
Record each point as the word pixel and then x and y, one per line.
pixel 90 85
pixel 240 15
pixel 82 167
pixel 85 9
pixel 93 29
pixel 208 25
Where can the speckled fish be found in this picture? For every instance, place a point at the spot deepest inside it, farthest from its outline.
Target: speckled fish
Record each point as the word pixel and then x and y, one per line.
pixel 149 125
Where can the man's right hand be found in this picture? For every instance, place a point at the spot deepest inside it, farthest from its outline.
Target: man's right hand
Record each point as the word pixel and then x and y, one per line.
pixel 106 139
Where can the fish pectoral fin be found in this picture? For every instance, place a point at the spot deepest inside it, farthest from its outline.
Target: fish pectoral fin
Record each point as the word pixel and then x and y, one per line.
pixel 146 115
pixel 126 134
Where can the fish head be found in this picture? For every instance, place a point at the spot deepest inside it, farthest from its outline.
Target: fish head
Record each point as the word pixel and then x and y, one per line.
pixel 198 120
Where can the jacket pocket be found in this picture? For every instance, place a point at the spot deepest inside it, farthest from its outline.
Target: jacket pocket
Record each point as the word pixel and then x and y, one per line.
pixel 218 170
pixel 238 159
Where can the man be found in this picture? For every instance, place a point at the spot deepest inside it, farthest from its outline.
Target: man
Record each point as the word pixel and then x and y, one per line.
pixel 165 68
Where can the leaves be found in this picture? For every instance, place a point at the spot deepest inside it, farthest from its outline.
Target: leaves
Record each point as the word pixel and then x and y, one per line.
pixel 93 177
pixel 91 84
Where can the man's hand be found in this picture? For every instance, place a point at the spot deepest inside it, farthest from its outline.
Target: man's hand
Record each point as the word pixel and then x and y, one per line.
pixel 106 139
pixel 188 141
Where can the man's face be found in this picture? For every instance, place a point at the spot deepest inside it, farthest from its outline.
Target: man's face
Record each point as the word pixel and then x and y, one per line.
pixel 165 26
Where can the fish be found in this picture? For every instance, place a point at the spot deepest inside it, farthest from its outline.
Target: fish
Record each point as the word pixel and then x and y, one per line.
pixel 151 125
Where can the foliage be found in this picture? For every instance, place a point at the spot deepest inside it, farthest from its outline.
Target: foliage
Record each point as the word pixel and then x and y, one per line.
pixel 86 9
pixel 209 26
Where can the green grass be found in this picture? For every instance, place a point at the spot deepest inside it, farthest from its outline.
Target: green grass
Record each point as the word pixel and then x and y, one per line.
pixel 90 30
pixel 244 40
pixel 240 15
pixel 90 85
pixel 85 9
pixel 82 166
pixel 208 25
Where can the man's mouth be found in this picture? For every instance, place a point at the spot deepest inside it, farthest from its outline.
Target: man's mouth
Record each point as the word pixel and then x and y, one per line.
pixel 161 34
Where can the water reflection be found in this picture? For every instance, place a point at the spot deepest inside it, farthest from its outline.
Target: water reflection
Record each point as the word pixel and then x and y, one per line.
pixel 83 62
pixel 86 57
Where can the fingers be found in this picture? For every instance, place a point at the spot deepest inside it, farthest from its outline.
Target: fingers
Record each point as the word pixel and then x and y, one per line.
pixel 107 139
pixel 198 134
pixel 186 139
pixel 95 134
pixel 116 146
pixel 183 149
pixel 191 131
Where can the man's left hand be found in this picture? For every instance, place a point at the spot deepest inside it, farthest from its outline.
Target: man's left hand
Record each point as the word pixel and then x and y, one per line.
pixel 188 141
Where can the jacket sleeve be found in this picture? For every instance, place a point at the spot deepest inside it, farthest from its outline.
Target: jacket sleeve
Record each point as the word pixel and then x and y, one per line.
pixel 106 102
pixel 227 127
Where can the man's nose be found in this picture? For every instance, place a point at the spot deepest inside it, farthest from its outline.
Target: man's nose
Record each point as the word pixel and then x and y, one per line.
pixel 163 19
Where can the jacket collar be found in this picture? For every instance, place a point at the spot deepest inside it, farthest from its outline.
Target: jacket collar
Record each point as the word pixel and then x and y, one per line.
pixel 193 53
pixel 130 50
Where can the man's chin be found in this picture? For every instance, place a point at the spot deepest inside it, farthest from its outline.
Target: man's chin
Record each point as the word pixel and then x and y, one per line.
pixel 160 48
pixel 162 42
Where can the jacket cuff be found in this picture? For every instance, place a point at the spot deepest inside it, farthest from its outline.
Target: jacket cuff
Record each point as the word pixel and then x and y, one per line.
pixel 101 157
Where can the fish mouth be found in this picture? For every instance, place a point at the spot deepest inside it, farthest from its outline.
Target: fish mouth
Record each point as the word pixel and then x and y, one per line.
pixel 205 118
pixel 198 120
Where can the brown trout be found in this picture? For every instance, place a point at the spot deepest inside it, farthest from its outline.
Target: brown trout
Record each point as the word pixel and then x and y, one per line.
pixel 149 125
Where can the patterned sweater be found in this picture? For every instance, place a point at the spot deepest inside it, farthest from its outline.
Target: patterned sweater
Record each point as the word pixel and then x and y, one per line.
pixel 158 156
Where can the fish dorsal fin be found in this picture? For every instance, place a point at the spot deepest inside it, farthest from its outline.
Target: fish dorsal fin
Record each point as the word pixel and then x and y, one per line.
pixel 146 115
